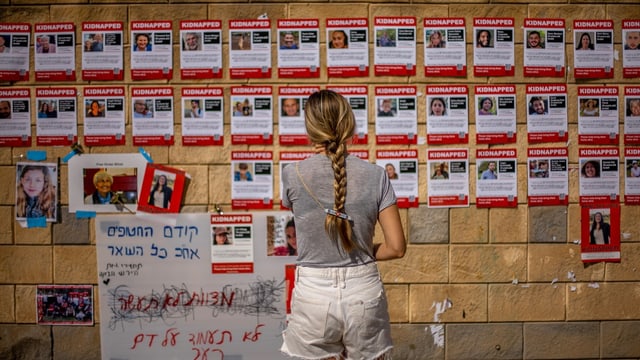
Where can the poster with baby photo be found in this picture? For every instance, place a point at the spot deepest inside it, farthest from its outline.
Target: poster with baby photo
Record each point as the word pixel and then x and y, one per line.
pixel 36 193
pixel 162 189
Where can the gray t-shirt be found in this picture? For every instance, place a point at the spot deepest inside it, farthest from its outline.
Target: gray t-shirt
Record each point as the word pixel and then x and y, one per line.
pixel 369 191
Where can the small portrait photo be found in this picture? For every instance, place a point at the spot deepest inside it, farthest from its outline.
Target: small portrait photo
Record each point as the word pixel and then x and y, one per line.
pixel 538 168
pixel 192 41
pixel 338 39
pixel 36 191
pixel 387 107
pixel 589 107
pixel 386 38
pixel 633 169
pixel 584 40
pixel 65 304
pixel 46 44
pixel 281 236
pixel 590 169
pixel 487 105
pixel 47 109
pixel 242 107
pixel 93 42
pixel 535 39
pixel 289 40
pixel 633 107
pixel 600 228
pixel 437 106
pixel 192 108
pixel 243 171
pixel 290 107
pixel 440 171
pixel 5 43
pixel 143 108
pixel 94 107
pixel 110 186
pixel 162 189
pixel 221 235
pixel 538 105
pixel 436 38
pixel 392 173
pixel 632 40
pixel 5 109
pixel 484 38
pixel 488 170
pixel 240 40
pixel 142 42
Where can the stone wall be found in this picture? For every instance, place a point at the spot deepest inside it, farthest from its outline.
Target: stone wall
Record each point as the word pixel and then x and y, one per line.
pixel 475 283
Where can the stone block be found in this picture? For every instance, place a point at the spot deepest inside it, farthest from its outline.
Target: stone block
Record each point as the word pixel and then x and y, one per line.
pixel 484 341
pixel 448 303
pixel 574 340
pixel 197 190
pixel 76 342
pixel 469 225
pixel 71 230
pixel 620 339
pixel 479 264
pixel 220 184
pixel 7 222
pixel 75 264
pixel 33 235
pixel 508 225
pixel 421 264
pixel 428 225
pixel 603 301
pixel 7 299
pixel 526 302
pixel 548 224
pixel 418 341
pixel 25 342
pixel 552 263
pixel 398 300
pixel 26 304
pixel 8 177
pixel 25 265
pixel 628 269
pixel 629 231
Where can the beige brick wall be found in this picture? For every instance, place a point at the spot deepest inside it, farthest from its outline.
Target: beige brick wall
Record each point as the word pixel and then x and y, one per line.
pixel 494 283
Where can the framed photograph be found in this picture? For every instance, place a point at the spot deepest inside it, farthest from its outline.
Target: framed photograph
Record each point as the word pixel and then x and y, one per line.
pixel 105 182
pixel 162 189
pixel 36 191
pixel 65 304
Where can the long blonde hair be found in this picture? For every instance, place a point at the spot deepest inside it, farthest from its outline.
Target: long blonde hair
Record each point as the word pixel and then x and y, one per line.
pixel 46 199
pixel 329 121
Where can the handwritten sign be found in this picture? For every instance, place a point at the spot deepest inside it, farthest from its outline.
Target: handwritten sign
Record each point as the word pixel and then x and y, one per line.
pixel 159 300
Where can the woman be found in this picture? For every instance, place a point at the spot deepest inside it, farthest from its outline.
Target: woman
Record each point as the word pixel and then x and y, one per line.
pixel 142 43
pixel 435 40
pixel 94 109
pixel 391 171
pixel 486 106
pixel 336 200
pixel 590 108
pixel 36 193
pixel 292 239
pixel 585 42
pixel 161 194
pixel 590 169
pixel 339 40
pixel 600 233
pixel 437 107
pixel 102 181
pixel 43 113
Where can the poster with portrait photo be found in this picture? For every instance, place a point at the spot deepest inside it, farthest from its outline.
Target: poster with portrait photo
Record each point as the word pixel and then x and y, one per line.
pixel 36 193
pixel 599 176
pixel 152 116
pixel 632 176
pixel 544 50
pixel 104 116
pixel 347 47
pixel 162 189
pixel 445 51
pixel 251 179
pixel 250 49
pixel 65 305
pixel 598 115
pixel 232 244
pixel 200 49
pixel 291 125
pixel 15 51
pixel 56 123
pixel 495 114
pixel 396 115
pixel 631 127
pixel 15 117
pixel 547 113
pixel 631 48
pixel 593 49
pixel 202 116
pixel 447 114
pixel 251 115
pixel 448 178
pixel 281 235
pixel 105 182
pixel 298 48
pixel 151 50
pixel 548 176
pixel 102 55
pixel 395 46
pixel 401 166
pixel 600 233
pixel 496 178
pixel 494 47
pixel 55 51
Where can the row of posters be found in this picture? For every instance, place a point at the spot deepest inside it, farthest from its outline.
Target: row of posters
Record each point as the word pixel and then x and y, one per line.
pixel 251 110
pixel 298 48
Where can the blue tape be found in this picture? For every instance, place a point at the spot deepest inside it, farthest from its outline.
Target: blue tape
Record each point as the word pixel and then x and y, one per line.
pixel 85 214
pixel 69 156
pixel 36 155
pixel 145 154
pixel 38 222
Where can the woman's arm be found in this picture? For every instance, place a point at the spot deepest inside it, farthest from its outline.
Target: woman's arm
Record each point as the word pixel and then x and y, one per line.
pixel 394 245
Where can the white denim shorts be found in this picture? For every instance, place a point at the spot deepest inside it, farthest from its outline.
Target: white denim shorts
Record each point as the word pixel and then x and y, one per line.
pixel 340 312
